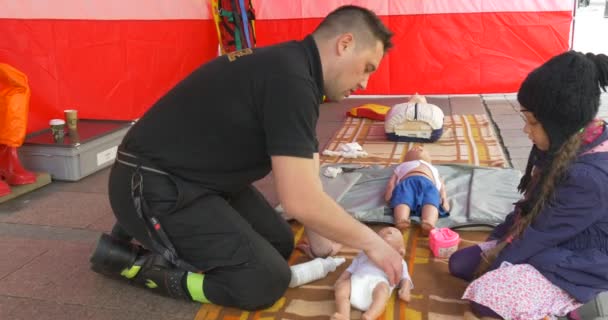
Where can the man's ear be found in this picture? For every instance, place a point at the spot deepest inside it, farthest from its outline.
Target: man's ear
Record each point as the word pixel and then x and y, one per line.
pixel 345 42
pixel 402 252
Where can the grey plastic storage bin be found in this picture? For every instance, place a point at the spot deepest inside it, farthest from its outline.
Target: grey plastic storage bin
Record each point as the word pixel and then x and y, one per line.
pixel 90 149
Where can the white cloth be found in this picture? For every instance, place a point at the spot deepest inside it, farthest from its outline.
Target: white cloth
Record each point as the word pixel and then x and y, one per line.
pixel 347 150
pixel 365 276
pixel 405 167
pixel 332 172
pixel 350 147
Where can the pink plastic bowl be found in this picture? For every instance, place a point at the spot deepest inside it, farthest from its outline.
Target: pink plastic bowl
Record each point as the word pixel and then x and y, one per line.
pixel 443 242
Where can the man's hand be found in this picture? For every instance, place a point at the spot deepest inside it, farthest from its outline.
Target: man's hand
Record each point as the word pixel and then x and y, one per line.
pixel 387 259
pixel 301 194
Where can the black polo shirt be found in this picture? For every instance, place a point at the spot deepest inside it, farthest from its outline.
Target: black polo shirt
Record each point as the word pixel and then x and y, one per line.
pixel 220 125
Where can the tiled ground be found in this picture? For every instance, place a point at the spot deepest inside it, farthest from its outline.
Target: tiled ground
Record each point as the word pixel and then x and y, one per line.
pixel 503 111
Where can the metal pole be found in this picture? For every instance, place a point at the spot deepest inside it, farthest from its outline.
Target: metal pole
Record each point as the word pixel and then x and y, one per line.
pixel 606 10
pixel 573 25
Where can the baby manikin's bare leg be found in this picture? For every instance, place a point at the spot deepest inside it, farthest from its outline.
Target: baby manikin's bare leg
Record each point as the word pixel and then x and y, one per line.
pixel 319 246
pixel 342 296
pixel 402 216
pixel 430 215
pixel 405 291
pixel 379 298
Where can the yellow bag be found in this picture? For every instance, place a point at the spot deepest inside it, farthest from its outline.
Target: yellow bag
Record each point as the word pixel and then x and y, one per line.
pixel 14 105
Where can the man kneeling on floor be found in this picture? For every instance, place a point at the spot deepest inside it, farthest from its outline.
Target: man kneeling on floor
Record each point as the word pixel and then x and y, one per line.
pixel 183 189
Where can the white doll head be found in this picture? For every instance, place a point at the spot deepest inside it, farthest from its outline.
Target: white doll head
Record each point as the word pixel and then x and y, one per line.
pixel 417 99
pixel 394 237
pixel 417 153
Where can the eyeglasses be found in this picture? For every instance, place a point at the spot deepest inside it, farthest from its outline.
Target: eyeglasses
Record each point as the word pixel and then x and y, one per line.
pixel 520 113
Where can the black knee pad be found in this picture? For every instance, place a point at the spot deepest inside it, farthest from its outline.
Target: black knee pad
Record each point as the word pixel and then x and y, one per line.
pixel 271 283
pixel 253 287
pixel 268 287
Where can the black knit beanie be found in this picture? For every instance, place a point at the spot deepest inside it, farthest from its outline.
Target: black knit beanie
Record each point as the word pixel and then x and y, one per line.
pixel 563 94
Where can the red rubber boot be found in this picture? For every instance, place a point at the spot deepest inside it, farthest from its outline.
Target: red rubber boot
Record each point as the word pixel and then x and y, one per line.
pixel 4 189
pixel 11 169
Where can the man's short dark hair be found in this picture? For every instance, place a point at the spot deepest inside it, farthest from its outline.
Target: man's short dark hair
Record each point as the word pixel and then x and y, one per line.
pixel 358 20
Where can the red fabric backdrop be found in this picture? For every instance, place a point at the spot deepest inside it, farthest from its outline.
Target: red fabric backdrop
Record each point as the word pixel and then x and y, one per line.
pixel 112 59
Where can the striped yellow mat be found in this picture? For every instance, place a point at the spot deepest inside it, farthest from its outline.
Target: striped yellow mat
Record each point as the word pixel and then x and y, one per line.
pixel 467 139
pixel 436 294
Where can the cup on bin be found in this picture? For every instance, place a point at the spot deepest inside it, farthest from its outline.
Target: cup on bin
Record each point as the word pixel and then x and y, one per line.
pixel 71 118
pixel 57 129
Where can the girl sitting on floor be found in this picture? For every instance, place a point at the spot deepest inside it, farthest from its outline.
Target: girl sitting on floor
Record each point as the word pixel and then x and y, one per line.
pixel 550 254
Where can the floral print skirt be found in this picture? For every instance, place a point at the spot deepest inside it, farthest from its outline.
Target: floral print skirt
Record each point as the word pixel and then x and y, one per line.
pixel 520 292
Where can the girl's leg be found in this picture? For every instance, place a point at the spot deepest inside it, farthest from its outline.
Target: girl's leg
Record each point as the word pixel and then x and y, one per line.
pixel 464 262
pixel 472 316
pixel 402 216
pixel 483 312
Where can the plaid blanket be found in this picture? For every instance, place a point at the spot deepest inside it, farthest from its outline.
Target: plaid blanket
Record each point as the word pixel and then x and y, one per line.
pixel 436 294
pixel 467 139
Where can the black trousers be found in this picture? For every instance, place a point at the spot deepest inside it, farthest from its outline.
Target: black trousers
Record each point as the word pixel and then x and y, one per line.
pixel 238 240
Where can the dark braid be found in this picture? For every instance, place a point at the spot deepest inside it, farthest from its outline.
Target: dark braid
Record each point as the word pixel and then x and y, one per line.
pixel 557 167
pixel 524 183
pixel 550 177
pixel 542 193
